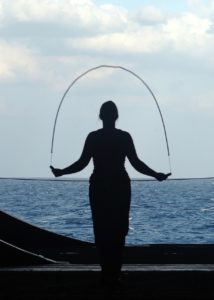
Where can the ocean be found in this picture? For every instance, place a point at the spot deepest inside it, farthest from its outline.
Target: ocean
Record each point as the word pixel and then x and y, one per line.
pixel 173 211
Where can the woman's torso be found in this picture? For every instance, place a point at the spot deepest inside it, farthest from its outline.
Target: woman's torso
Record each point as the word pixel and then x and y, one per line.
pixel 109 150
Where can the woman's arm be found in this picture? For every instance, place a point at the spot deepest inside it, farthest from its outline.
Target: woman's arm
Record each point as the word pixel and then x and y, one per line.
pixel 80 164
pixel 141 166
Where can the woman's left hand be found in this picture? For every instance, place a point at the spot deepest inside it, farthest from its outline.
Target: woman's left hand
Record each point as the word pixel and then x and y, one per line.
pixel 56 172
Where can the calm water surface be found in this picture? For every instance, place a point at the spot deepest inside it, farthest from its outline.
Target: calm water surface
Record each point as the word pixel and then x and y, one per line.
pixel 161 212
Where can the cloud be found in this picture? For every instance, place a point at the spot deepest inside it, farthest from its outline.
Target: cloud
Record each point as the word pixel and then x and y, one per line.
pixel 15 60
pixel 81 16
pixel 188 31
pixel 82 25
pixel 148 15
pixel 146 40
pixel 50 40
pixel 202 7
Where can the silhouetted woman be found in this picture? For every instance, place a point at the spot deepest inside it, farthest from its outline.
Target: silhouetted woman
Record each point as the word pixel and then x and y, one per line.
pixel 110 190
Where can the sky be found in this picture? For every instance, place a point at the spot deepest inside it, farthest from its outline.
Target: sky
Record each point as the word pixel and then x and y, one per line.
pixel 46 44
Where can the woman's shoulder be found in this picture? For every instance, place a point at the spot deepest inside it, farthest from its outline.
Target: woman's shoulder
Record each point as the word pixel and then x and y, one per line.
pixel 94 134
pixel 124 133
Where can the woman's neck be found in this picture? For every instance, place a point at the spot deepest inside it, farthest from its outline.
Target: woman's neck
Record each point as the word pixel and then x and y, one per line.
pixel 108 125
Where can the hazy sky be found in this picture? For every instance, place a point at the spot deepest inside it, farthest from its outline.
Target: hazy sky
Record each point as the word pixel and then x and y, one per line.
pixel 46 44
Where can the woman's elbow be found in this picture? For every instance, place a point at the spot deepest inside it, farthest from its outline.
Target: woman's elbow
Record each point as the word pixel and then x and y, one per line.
pixel 135 162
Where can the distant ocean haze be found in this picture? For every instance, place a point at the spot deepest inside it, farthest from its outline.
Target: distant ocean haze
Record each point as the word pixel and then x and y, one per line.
pixel 174 211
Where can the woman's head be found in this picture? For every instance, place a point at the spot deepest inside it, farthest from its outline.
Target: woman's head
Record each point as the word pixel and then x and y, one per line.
pixel 108 111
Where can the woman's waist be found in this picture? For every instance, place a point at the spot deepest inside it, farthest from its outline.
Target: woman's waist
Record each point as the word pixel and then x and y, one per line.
pixel 110 174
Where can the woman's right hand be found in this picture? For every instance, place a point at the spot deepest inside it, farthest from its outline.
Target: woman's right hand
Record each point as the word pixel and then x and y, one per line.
pixel 56 172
